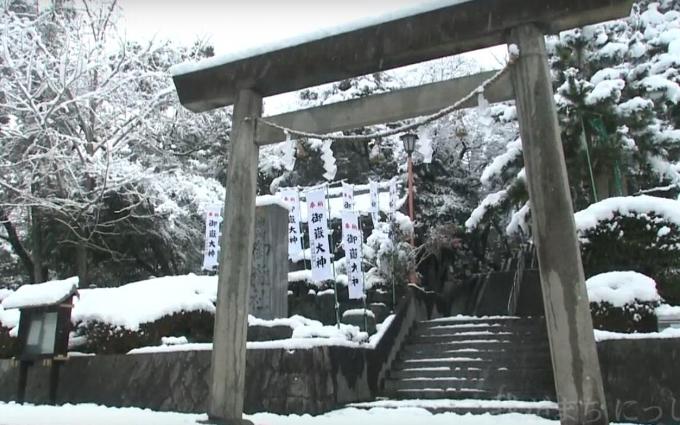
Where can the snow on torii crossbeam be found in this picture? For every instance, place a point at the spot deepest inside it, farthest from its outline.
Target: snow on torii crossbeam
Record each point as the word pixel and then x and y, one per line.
pixel 444 28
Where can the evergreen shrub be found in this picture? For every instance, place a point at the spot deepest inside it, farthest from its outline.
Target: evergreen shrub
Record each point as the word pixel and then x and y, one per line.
pixel 643 242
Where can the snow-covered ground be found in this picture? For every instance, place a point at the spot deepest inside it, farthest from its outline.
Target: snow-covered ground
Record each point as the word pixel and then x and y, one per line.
pixel 88 414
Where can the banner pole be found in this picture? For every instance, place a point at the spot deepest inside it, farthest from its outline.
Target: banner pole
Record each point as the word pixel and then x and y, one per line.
pixel 363 276
pixel 335 279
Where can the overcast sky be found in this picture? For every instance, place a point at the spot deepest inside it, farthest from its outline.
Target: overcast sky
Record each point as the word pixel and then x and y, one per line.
pixel 234 25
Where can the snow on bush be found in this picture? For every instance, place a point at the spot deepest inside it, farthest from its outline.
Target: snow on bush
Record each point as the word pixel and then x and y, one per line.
pixel 487 204
pixel 643 207
pixel 173 310
pixel 513 151
pixel 621 288
pixel 391 257
pixel 638 233
pixel 130 305
pixel 623 301
pixel 518 221
pixel 606 89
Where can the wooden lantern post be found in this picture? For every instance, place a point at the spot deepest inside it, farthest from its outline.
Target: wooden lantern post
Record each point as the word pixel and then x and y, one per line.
pixel 44 327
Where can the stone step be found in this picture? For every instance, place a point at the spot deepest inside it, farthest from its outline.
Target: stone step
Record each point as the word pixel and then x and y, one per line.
pixel 463 393
pixel 444 330
pixel 493 327
pixel 474 337
pixel 450 362
pixel 501 357
pixel 545 409
pixel 496 320
pixel 546 413
pixel 480 349
pixel 492 372
pixel 440 344
pixel 540 384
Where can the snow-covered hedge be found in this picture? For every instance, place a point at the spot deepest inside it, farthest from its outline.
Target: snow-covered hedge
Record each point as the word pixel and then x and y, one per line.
pixel 142 314
pixel 640 233
pixel 623 301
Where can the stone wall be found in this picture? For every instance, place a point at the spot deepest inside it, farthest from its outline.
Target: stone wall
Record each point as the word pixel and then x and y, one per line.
pixel 280 381
pixel 641 380
pixel 277 380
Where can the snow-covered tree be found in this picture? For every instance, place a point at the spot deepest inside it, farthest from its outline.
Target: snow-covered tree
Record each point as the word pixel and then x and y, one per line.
pixel 86 172
pixel 618 98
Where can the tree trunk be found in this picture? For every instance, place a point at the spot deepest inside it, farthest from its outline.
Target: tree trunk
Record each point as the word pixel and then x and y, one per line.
pixel 17 246
pixel 39 272
pixel 81 266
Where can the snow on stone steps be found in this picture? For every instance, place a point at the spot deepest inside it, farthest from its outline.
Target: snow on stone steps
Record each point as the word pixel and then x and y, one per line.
pixel 547 409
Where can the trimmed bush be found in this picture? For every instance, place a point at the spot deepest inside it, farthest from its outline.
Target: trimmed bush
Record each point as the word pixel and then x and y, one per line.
pixel 631 318
pixel 103 338
pixel 623 302
pixel 639 233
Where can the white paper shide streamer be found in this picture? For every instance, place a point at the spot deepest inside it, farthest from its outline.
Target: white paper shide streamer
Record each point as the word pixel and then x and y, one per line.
pixel 289 153
pixel 374 188
pixel 317 212
pixel 211 251
pixel 394 196
pixel 352 242
pixel 292 198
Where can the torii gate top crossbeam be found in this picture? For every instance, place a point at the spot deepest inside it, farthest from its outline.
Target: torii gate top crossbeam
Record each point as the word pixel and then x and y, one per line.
pixel 453 28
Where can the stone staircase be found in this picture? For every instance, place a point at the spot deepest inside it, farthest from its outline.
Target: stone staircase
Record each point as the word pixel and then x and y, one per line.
pixel 463 358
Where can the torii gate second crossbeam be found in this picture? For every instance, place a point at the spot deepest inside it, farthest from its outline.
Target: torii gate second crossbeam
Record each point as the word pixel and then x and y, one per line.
pixel 446 29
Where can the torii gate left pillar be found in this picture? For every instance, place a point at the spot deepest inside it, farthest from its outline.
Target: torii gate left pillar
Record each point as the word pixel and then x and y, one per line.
pixel 227 387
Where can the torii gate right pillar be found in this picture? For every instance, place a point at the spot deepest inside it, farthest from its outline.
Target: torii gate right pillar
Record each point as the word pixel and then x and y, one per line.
pixel 578 379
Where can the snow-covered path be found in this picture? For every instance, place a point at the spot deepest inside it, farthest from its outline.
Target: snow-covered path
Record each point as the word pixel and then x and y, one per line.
pixel 88 414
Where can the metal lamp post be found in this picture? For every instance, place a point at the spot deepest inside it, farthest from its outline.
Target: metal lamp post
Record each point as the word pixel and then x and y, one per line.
pixel 409 140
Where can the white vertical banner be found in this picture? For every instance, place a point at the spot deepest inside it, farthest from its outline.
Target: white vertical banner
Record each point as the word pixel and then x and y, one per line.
pixel 375 201
pixel 394 195
pixel 211 251
pixel 317 220
pixel 292 198
pixel 347 197
pixel 352 241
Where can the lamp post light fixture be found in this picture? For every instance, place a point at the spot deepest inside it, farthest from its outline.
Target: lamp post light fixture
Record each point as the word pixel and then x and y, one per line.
pixel 410 139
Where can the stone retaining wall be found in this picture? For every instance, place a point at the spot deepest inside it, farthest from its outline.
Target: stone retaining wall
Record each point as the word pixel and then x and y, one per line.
pixel 280 381
pixel 641 380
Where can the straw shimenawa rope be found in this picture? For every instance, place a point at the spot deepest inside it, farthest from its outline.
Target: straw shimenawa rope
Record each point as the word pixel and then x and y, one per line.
pixel 514 55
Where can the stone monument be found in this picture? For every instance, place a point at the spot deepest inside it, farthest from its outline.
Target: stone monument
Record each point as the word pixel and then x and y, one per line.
pixel 269 277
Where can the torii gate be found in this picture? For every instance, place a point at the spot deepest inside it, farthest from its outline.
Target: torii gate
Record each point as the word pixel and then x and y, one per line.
pixel 451 27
